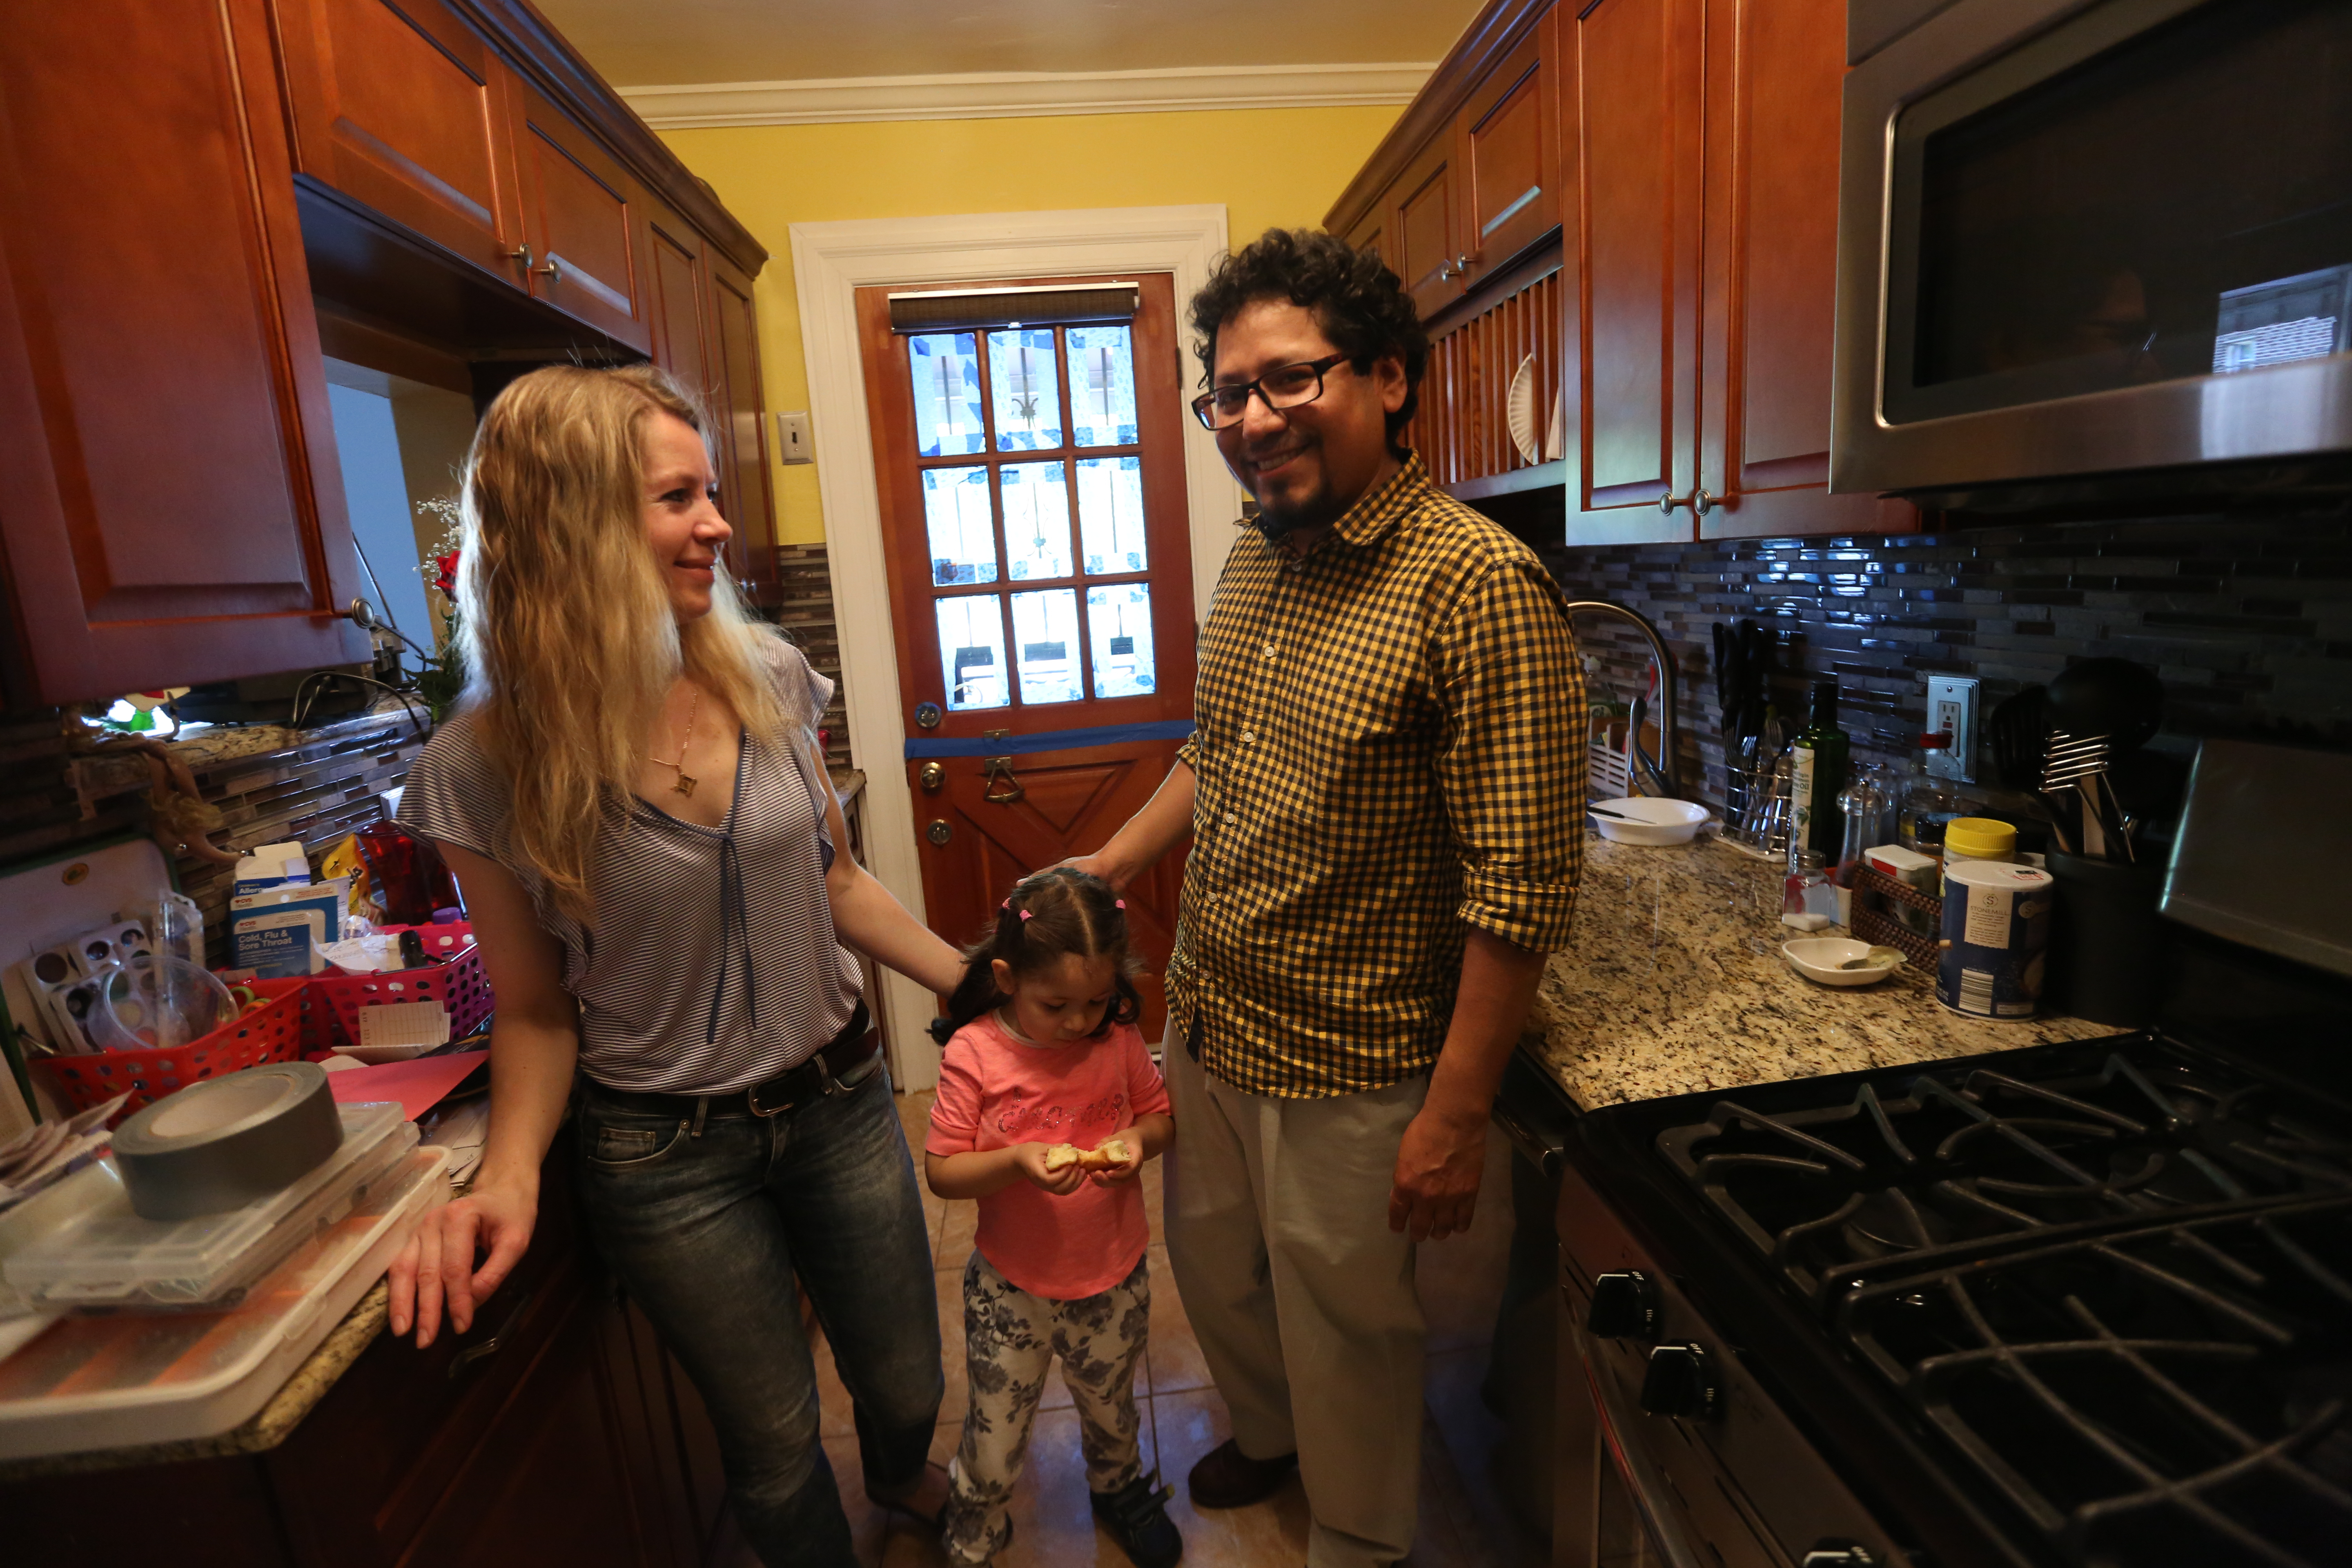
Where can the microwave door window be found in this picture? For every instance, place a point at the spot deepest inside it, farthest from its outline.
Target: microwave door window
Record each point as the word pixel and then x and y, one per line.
pixel 2081 215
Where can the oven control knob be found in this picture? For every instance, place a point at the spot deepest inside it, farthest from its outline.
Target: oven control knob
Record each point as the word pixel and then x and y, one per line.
pixel 1625 1306
pixel 1681 1381
pixel 1839 1554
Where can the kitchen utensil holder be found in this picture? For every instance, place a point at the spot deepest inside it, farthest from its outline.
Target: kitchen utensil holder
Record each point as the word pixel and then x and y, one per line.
pixel 457 984
pixel 273 1031
pixel 1873 924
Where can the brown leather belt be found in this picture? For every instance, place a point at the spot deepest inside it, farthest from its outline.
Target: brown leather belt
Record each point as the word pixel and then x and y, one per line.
pixel 848 1060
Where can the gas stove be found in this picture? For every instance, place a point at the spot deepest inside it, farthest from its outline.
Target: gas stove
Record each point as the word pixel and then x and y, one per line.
pixel 2113 1284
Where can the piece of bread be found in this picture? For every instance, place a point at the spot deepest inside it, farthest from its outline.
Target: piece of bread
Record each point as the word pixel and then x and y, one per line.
pixel 1113 1153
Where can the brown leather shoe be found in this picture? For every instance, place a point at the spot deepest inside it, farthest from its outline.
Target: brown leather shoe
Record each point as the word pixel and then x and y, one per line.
pixel 1227 1478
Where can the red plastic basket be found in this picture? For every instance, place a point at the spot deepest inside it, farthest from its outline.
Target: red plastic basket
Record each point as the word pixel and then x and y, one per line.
pixel 457 984
pixel 270 1032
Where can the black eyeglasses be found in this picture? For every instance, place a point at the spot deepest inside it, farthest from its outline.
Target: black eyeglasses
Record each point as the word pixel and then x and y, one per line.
pixel 1285 386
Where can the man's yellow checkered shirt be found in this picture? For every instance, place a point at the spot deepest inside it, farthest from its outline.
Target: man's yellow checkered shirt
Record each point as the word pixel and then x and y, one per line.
pixel 1390 750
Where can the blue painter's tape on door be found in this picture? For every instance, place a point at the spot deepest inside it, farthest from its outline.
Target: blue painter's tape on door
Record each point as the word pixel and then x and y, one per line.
pixel 1052 741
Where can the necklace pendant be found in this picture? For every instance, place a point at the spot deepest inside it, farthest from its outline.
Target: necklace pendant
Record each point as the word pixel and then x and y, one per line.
pixel 685 785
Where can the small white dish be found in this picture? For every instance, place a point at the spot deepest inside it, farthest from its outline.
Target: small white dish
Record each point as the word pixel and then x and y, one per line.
pixel 1817 959
pixel 1656 821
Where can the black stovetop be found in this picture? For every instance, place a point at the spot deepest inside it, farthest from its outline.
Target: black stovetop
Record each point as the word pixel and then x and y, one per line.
pixel 2103 1290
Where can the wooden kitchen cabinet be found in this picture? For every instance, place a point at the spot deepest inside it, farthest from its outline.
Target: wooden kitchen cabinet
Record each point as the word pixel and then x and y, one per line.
pixel 407 112
pixel 1777 69
pixel 173 511
pixel 1632 78
pixel 746 495
pixel 580 221
pixel 1509 153
pixel 676 301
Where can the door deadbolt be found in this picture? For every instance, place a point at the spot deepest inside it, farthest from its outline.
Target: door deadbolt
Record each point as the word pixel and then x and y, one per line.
pixel 939 832
pixel 927 715
pixel 932 776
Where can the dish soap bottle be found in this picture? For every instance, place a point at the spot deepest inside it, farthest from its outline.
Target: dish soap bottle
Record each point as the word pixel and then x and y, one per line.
pixel 1821 750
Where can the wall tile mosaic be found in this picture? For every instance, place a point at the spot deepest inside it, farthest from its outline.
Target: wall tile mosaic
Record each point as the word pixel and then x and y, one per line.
pixel 2246 616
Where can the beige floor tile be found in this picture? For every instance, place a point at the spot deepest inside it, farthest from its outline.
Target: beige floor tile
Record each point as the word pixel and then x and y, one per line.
pixel 1270 1534
pixel 1155 1198
pixel 1053 1522
pixel 915 1117
pixel 957 1228
pixel 948 1285
pixel 1174 1358
pixel 1470 1439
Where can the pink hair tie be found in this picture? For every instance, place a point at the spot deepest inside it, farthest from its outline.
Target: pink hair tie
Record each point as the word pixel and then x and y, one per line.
pixel 1118 903
pixel 1024 914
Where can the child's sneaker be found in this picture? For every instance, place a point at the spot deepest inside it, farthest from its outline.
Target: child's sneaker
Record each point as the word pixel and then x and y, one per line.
pixel 1137 1517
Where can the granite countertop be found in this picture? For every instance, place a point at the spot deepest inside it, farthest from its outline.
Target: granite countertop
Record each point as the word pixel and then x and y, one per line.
pixel 1674 983
pixel 848 782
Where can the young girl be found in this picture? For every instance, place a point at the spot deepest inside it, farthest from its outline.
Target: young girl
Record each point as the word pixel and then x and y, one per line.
pixel 1048 1105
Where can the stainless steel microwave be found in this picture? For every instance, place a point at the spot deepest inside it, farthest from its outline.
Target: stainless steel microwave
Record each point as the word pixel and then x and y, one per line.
pixel 2082 238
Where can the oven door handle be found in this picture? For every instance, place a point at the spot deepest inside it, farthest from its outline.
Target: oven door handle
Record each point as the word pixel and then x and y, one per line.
pixel 1643 1482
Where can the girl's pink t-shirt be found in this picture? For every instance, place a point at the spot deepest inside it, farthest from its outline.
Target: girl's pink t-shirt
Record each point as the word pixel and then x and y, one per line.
pixel 994 1092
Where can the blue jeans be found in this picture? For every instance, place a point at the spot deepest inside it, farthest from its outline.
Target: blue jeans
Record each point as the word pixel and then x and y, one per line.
pixel 706 1233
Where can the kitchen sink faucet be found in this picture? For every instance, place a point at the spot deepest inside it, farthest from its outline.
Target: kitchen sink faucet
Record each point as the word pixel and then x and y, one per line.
pixel 1657 774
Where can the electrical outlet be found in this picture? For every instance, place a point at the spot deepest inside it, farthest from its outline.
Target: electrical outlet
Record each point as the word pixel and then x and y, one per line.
pixel 1952 710
pixel 793 444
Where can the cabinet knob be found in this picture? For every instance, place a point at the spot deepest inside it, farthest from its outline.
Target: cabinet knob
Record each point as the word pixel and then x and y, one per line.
pixel 1681 1383
pixel 1698 500
pixel 1625 1306
pixel 522 253
pixel 550 269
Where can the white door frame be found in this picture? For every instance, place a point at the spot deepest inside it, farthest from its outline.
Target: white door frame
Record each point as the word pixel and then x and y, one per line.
pixel 830 262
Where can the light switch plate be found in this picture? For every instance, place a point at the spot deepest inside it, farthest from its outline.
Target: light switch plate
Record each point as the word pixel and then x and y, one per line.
pixel 793 444
pixel 1952 709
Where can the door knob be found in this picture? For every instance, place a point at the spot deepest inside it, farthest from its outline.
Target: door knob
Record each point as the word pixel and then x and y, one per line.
pixel 939 832
pixel 927 715
pixel 1681 1383
pixel 932 776
pixel 1625 1306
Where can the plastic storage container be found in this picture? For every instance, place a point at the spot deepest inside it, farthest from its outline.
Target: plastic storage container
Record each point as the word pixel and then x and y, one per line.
pixel 458 983
pixel 279 1030
pixel 100 1382
pixel 109 1258
pixel 1983 838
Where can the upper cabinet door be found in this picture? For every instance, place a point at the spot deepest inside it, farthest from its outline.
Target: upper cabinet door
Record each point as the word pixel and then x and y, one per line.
pixel 1632 79
pixel 580 221
pixel 739 404
pixel 174 512
pixel 404 109
pixel 677 303
pixel 1773 95
pixel 1372 233
pixel 1510 140
pixel 1425 227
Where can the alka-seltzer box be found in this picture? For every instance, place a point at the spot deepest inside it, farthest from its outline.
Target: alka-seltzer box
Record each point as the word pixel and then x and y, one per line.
pixel 1996 938
pixel 277 933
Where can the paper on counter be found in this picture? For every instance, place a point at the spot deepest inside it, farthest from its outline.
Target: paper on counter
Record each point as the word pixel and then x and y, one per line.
pixel 417 1085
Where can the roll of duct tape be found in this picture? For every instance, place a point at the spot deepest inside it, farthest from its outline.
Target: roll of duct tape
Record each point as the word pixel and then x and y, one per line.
pixel 220 1144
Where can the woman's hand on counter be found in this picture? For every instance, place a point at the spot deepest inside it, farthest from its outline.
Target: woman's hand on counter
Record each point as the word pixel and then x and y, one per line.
pixel 436 1270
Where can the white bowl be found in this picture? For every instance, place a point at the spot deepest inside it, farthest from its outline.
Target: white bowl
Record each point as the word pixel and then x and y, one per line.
pixel 1661 821
pixel 1817 959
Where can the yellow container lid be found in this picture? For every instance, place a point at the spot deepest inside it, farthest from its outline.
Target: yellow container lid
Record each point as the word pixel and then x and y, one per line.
pixel 1980 839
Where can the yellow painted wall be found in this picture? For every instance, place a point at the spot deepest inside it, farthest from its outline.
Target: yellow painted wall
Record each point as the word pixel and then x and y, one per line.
pixel 1269 167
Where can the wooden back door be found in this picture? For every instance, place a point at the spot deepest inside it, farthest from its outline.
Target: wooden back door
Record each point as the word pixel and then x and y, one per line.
pixel 1034 523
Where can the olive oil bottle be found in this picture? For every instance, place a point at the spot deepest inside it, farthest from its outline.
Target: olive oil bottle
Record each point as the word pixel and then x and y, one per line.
pixel 1819 753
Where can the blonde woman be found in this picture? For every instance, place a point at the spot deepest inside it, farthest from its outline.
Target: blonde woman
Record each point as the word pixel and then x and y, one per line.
pixel 631 798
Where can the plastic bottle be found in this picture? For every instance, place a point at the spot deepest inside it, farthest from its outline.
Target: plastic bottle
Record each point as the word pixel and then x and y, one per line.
pixel 1821 750
pixel 1926 802
pixel 1969 838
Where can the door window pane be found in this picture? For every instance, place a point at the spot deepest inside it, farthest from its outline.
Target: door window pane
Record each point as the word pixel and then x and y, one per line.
pixel 1110 514
pixel 1046 630
pixel 963 539
pixel 1028 402
pixel 971 650
pixel 945 369
pixel 1036 521
pixel 1118 620
pixel 1102 387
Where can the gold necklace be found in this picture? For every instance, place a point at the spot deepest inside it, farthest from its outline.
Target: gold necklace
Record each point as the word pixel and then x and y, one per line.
pixel 686 782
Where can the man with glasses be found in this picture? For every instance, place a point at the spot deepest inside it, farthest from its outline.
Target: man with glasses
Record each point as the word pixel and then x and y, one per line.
pixel 1383 793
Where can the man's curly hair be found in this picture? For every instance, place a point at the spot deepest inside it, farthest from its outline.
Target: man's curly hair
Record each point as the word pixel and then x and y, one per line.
pixel 1359 303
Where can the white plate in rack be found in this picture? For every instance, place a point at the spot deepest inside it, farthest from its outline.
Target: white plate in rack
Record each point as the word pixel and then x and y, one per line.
pixel 1519 411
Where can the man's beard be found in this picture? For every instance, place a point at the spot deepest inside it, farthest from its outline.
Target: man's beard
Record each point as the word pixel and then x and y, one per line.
pixel 1316 510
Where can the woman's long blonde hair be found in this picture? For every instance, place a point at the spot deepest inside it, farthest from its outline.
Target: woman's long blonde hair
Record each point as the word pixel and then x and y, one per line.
pixel 564 618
